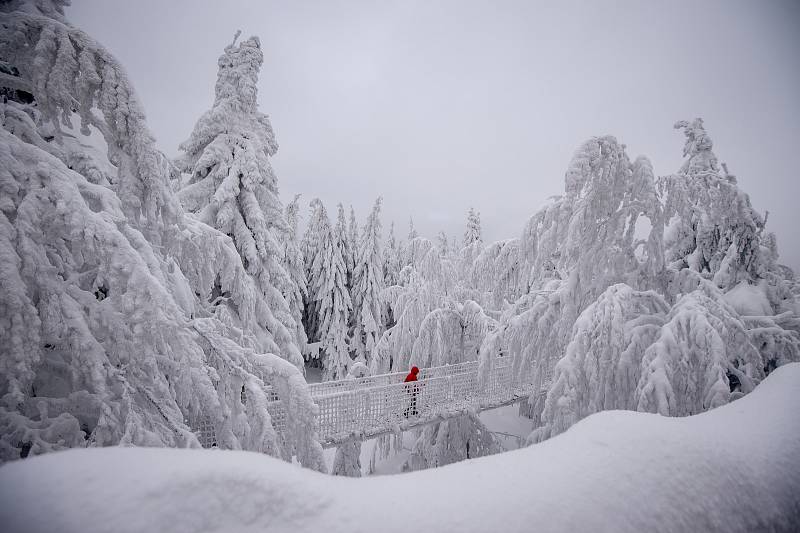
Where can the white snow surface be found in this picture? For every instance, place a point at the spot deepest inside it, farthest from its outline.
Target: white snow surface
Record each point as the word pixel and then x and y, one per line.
pixel 735 468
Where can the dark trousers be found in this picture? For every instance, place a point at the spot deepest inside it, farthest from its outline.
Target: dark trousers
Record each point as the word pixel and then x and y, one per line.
pixel 412 408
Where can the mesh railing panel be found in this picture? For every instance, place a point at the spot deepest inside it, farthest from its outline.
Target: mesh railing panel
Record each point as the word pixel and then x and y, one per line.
pixel 376 404
pixel 381 403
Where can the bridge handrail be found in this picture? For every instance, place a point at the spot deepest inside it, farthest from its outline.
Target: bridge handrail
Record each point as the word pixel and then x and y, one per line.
pixel 327 388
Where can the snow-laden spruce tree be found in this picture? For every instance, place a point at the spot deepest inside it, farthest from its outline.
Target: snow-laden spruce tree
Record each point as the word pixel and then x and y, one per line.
pixel 601 367
pixel 412 231
pixel 496 273
pixel 473 233
pixel 423 288
pixel 391 259
pixel 351 255
pixel 575 248
pixel 233 188
pixel 701 356
pixel 104 339
pixel 368 287
pixel 627 329
pixel 297 292
pixel 310 247
pixel 347 461
pixel 328 291
pixel 472 248
pixel 432 328
pixel 451 441
pixel 443 243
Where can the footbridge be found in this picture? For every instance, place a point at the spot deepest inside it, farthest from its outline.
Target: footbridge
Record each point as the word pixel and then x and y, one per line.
pixel 370 406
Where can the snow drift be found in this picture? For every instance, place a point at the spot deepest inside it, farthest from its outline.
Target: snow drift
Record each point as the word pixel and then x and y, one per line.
pixel 613 471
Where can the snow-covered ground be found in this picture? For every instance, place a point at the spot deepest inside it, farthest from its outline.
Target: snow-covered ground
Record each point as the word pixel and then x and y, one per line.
pixel 613 471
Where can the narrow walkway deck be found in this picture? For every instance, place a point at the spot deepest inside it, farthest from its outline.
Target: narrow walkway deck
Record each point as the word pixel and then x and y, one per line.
pixel 366 407
pixel 371 406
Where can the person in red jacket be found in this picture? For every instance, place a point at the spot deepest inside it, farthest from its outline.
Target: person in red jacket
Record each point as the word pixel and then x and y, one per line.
pixel 412 390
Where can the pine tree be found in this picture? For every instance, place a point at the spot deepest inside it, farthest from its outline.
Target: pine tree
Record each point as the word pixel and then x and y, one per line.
pixel 412 232
pixel 616 325
pixel 117 347
pixel 367 287
pixel 233 188
pixel 715 230
pixel 352 247
pixel 472 234
pixel 310 246
pixel 473 246
pixel 294 265
pixel 391 259
pixel 328 291
pixel 443 244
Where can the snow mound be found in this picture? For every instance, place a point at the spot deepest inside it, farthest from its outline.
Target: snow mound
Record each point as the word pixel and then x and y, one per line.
pixel 613 471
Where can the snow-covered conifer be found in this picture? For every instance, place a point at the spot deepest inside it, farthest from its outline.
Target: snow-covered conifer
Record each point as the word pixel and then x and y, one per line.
pixel 456 439
pixel 391 259
pixel 233 188
pixel 629 330
pixel 473 246
pixel 108 342
pixel 473 233
pixel 295 267
pixel 368 285
pixel 412 231
pixel 347 461
pixel 328 291
pixel 310 246
pixel 443 244
pixel 351 255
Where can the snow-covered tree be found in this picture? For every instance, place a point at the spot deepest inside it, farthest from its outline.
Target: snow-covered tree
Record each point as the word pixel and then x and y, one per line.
pixel 310 247
pixel 443 243
pixel 347 461
pixel 233 188
pixel 473 246
pixel 294 265
pixel 412 231
pixel 105 340
pixel 702 355
pixel 328 291
pixel 473 233
pixel 351 255
pixel 600 369
pixel 712 227
pixel 391 259
pixel 368 285
pixel 456 439
pixel 421 290
pixel 627 329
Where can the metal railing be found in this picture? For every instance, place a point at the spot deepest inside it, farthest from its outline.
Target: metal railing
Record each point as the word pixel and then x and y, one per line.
pixel 369 406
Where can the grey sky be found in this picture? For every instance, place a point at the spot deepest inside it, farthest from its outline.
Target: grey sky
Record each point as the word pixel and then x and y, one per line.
pixel 438 106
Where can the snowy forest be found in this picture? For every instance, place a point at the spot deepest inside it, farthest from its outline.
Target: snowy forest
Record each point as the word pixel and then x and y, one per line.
pixel 150 301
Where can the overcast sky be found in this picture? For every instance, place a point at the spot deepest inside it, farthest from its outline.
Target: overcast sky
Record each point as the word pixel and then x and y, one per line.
pixel 438 106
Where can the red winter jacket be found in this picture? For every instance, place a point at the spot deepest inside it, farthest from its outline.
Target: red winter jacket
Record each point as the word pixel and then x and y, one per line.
pixel 413 375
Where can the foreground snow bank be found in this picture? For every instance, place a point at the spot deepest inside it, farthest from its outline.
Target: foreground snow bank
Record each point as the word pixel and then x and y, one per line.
pixel 736 468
